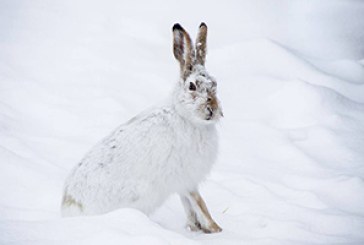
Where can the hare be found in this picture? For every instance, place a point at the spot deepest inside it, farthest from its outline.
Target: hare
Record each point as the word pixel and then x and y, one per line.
pixel 164 150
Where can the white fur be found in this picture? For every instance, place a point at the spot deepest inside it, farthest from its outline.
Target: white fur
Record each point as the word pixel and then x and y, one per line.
pixel 142 162
pixel 167 149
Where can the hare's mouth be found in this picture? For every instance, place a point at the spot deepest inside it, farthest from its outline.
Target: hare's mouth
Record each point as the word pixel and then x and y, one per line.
pixel 213 114
pixel 210 114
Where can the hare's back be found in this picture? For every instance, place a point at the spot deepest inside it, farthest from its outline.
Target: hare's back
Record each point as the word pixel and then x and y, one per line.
pixel 124 166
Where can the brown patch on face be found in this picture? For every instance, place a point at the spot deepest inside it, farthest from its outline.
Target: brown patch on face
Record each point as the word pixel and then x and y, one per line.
pixel 69 201
pixel 212 101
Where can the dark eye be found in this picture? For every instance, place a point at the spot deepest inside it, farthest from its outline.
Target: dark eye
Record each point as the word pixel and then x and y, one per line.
pixel 192 87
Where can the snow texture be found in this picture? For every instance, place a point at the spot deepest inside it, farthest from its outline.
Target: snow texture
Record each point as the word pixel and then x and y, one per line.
pixel 290 78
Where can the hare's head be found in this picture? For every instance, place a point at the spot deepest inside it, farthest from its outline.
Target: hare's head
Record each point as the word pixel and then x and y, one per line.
pixel 196 93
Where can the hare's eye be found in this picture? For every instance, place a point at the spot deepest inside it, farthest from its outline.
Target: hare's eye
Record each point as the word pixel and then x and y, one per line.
pixel 192 87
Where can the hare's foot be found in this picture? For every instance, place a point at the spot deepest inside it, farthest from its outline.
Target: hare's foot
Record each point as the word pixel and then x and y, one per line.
pixel 196 226
pixel 199 218
pixel 212 228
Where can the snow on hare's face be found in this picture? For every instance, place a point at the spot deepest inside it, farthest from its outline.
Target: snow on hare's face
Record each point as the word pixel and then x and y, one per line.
pixel 198 99
pixel 196 93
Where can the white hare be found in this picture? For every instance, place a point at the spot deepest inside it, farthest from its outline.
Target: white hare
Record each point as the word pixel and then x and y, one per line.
pixel 167 149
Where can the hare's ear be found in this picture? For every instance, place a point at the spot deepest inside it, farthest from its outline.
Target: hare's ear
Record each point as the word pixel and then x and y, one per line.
pixel 183 50
pixel 201 48
pixel 178 44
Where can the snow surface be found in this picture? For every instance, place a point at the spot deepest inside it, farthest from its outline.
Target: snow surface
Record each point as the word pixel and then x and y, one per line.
pixel 290 78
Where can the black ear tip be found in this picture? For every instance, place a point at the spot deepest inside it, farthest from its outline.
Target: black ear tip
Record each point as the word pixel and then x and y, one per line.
pixel 203 24
pixel 177 26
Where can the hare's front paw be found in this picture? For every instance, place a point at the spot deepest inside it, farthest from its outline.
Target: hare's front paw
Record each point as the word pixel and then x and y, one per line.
pixel 196 226
pixel 212 228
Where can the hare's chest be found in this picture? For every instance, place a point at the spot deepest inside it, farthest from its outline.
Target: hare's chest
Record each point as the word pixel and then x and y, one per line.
pixel 191 160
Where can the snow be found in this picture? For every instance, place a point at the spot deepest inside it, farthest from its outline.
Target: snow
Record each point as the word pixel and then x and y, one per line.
pixel 290 78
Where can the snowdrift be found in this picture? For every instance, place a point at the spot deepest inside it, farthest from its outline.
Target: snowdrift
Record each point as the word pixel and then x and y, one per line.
pixel 291 166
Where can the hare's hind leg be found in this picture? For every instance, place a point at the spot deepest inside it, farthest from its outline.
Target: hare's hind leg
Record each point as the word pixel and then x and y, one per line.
pixel 71 207
pixel 198 216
